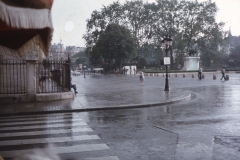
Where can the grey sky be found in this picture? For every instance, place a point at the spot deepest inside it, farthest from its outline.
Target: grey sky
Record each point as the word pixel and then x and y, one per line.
pixel 69 18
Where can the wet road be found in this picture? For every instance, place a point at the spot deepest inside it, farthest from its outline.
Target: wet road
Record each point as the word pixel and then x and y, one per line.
pixel 206 127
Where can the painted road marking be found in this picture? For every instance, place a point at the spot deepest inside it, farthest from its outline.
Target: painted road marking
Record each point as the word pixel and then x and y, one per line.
pixel 47 132
pixel 60 150
pixel 38 121
pixel 74 124
pixel 49 140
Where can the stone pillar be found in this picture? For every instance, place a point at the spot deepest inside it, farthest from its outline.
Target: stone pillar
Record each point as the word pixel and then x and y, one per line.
pixel 1 71
pixel 214 77
pixel 227 77
pixel 31 78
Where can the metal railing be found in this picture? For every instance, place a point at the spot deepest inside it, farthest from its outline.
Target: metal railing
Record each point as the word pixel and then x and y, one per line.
pixel 53 76
pixel 13 75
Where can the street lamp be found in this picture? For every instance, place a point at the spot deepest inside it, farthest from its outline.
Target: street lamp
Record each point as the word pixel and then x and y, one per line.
pixel 84 66
pixel 166 45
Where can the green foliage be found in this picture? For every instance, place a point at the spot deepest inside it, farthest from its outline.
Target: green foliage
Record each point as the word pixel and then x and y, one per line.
pixel 234 57
pixel 79 58
pixel 150 22
pixel 115 45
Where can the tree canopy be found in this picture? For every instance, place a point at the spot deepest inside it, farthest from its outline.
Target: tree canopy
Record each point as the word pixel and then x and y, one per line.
pixel 150 22
pixel 114 46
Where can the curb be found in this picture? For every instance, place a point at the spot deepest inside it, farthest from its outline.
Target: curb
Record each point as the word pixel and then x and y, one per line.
pixel 131 106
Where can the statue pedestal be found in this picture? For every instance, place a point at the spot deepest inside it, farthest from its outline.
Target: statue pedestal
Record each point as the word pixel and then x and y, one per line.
pixel 191 63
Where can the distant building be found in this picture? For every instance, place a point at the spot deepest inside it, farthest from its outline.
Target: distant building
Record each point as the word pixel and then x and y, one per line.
pixel 57 51
pixel 72 50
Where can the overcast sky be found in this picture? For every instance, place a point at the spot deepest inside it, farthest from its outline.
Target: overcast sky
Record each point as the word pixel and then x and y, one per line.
pixel 69 18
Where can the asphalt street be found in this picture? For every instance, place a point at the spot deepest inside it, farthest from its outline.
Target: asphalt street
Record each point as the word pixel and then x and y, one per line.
pixel 204 127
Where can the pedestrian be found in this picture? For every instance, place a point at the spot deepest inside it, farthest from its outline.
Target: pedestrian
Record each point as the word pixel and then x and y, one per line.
pixel 141 78
pixel 223 74
pixel 117 72
pixel 74 86
pixel 200 73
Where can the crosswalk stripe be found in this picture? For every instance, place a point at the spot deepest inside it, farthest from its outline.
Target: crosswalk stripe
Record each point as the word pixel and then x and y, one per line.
pixel 102 158
pixel 45 126
pixel 52 116
pixel 47 132
pixel 2 124
pixel 59 150
pixel 49 140
pixel 49 129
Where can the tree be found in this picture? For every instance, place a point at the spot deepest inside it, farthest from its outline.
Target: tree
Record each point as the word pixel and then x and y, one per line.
pixel 234 57
pixel 79 58
pixel 114 46
pixel 184 20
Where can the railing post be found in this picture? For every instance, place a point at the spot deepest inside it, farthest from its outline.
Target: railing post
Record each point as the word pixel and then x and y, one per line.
pixel 1 74
pixel 31 77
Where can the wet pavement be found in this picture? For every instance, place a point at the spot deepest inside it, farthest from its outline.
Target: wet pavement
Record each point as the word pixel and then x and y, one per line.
pixel 97 92
pixel 205 127
pixel 123 91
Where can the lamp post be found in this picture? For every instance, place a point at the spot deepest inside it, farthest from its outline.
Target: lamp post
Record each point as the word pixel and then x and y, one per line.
pixel 166 45
pixel 84 66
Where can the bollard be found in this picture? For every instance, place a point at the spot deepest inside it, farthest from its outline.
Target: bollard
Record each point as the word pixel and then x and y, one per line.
pixel 214 77
pixel 163 75
pixel 192 75
pixel 169 75
pixel 184 75
pixel 176 75
pixel 157 74
pixel 203 76
pixel 227 77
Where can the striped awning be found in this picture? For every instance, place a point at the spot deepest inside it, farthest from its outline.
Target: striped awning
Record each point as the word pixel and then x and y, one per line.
pixel 24 26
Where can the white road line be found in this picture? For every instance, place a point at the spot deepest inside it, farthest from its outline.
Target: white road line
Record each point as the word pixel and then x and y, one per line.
pixel 46 132
pixel 36 117
pixel 74 124
pixel 49 140
pixel 102 158
pixel 59 150
pixel 40 121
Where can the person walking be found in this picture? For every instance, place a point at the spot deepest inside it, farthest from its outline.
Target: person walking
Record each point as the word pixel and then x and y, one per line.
pixel 141 78
pixel 223 74
pixel 200 73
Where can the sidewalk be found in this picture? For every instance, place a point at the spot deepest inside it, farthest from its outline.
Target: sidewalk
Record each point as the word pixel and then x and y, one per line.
pixel 102 92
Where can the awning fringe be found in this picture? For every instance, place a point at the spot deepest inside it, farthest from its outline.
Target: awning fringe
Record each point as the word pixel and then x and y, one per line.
pixel 25 18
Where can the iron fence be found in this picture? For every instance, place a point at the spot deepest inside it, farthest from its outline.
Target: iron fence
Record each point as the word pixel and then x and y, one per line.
pixel 53 76
pixel 13 75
